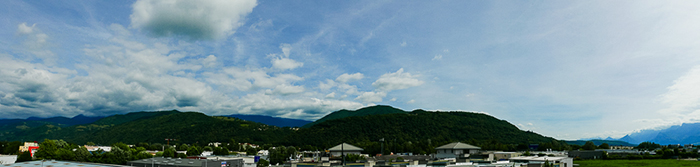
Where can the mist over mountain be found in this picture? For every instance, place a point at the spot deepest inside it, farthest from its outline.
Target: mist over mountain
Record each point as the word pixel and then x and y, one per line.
pixel 687 133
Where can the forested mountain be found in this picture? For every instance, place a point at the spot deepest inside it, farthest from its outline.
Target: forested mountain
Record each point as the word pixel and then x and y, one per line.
pixel 186 127
pixel 22 127
pixel 274 121
pixel 372 110
pixel 63 121
pixel 417 131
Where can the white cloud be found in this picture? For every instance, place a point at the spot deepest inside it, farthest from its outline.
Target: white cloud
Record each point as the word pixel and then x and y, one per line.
pixel 393 99
pixel 411 101
pixel 24 29
pixel 285 63
pixel 371 97
pixel 349 89
pixel 396 81
pixel 344 78
pixel 330 95
pixel 286 90
pixel 213 19
pixel 119 29
pixel 300 108
pixel 251 79
pixel 326 85
pixel 286 49
pixel 437 57
pixel 683 97
pixel 35 43
pixel 403 44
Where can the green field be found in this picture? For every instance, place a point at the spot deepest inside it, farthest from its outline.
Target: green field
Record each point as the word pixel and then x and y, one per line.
pixel 635 163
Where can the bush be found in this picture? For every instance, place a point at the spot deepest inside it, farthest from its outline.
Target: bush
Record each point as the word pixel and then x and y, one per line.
pixel 25 156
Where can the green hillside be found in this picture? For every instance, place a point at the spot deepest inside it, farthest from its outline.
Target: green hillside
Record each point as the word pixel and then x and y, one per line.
pixel 418 131
pixel 421 129
pixel 372 110
pixel 39 130
pixel 154 127
pixel 189 127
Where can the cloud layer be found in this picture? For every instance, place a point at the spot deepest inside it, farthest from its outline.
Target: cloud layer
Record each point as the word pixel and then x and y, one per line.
pixel 215 19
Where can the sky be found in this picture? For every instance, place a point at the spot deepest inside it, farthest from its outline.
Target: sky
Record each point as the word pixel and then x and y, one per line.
pixel 565 69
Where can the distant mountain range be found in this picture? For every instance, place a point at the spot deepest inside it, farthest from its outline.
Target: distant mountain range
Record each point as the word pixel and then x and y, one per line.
pixel 599 142
pixel 687 133
pixel 60 121
pixel 417 131
pixel 274 121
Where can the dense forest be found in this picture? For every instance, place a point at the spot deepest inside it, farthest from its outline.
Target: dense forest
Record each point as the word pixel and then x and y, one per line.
pixel 418 131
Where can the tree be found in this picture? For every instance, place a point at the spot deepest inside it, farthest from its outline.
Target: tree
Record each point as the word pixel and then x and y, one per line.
pixel 221 151
pixel 194 151
pixel 47 150
pixel 169 152
pixel 25 156
pixel 547 164
pixel 647 146
pixel 263 163
pixel 182 147
pixel 142 155
pixel 589 146
pixel 90 143
pixel 82 154
pixel 251 151
pixel 12 147
pixel 120 156
pixel 604 146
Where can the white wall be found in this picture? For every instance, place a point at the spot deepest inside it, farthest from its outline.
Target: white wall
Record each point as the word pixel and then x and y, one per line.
pixel 8 159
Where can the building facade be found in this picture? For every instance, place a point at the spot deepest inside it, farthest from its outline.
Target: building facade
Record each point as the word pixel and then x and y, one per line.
pixel 454 150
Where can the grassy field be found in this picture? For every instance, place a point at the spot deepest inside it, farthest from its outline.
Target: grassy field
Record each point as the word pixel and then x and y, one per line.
pixel 635 163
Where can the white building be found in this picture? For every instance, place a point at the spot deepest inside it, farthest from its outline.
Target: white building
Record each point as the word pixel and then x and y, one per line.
pixel 95 148
pixel 454 150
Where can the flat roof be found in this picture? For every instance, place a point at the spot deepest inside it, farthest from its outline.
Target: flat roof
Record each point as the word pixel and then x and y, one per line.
pixel 535 158
pixel 59 164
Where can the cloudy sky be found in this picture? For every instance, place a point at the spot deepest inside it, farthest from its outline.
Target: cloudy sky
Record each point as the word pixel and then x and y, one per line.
pixel 563 69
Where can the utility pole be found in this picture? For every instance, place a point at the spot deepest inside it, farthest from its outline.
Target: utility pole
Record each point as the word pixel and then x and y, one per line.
pixel 342 152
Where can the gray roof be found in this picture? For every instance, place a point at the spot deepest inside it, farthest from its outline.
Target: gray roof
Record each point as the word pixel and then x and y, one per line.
pixel 58 164
pixel 457 146
pixel 345 147
pixel 177 161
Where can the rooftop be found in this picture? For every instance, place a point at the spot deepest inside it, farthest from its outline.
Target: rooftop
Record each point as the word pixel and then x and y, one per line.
pixel 457 146
pixel 58 164
pixel 535 158
pixel 345 147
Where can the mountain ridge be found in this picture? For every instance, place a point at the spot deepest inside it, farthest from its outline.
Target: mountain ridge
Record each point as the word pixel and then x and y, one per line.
pixel 270 120
pixel 371 110
pixel 686 133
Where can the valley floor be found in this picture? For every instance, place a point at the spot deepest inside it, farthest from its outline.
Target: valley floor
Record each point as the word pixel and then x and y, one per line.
pixel 637 163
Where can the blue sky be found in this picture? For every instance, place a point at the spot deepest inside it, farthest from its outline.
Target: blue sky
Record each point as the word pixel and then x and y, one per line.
pixel 568 70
